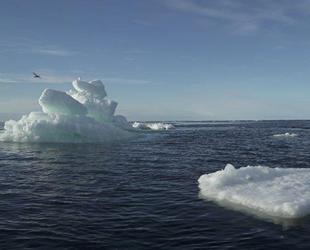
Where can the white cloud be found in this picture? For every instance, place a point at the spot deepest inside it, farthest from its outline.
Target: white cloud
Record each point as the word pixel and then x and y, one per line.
pixel 19 106
pixel 20 45
pixel 7 80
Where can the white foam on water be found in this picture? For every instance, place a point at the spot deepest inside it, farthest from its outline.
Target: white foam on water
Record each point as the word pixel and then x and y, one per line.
pixel 276 192
pixel 152 126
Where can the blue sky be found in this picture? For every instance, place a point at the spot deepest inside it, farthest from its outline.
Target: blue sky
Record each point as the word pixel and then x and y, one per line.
pixel 161 59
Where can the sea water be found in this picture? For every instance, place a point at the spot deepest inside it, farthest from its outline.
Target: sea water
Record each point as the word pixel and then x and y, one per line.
pixel 143 193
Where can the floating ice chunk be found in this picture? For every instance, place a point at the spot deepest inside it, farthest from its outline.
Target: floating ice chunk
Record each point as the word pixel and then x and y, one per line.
pixel 140 125
pixel 286 135
pixel 152 126
pixel 72 117
pixel 99 109
pixel 275 192
pixel 94 87
pixel 55 102
pixel 61 128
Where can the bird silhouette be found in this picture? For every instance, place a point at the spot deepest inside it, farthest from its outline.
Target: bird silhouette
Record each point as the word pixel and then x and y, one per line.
pixel 36 76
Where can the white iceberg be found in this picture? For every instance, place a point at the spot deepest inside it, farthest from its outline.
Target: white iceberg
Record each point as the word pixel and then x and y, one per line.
pixel 152 126
pixel 276 192
pixel 72 117
pixel 286 135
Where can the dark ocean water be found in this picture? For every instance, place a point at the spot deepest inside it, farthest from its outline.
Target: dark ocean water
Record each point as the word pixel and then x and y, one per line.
pixel 143 193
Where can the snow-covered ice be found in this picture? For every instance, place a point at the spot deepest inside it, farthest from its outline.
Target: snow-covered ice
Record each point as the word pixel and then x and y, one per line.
pixel 276 192
pixel 152 126
pixel 94 87
pixel 286 135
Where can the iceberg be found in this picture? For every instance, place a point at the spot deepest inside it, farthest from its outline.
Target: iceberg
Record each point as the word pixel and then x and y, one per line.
pixel 152 126
pixel 275 192
pixel 80 116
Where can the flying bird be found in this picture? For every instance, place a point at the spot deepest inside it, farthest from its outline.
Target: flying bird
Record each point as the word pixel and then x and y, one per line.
pixel 80 78
pixel 36 76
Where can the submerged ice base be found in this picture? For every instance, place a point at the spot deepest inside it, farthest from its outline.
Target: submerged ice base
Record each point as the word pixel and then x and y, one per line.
pixel 277 192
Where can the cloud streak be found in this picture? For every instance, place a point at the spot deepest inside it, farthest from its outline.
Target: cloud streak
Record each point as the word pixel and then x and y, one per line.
pixel 28 78
pixel 127 81
pixel 19 45
pixel 54 52
pixel 241 15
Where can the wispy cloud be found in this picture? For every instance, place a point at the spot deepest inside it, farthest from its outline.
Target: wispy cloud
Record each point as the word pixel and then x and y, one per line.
pixel 7 80
pixel 51 76
pixel 54 52
pixel 21 45
pixel 138 51
pixel 190 58
pixel 127 81
pixel 28 78
pixel 19 105
pixel 242 16
pixel 142 22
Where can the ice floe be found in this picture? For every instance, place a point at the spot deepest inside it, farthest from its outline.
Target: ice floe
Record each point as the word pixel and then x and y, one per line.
pixel 152 126
pixel 276 192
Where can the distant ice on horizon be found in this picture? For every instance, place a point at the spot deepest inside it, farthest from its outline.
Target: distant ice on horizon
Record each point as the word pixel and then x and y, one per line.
pixel 286 135
pixel 152 126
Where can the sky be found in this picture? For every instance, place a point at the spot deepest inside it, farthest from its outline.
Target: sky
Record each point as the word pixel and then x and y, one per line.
pixel 161 59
